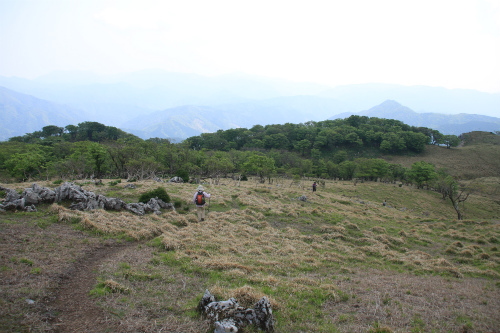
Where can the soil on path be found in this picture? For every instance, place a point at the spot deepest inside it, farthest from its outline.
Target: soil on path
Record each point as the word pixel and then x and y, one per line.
pixel 76 310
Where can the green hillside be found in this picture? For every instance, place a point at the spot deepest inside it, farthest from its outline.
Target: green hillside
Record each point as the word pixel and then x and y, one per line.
pixel 477 156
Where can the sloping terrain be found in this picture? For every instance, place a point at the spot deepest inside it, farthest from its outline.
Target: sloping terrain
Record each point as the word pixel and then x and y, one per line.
pixel 478 156
pixel 339 261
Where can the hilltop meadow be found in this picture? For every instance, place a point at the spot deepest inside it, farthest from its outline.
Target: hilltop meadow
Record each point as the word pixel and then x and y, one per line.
pixel 340 261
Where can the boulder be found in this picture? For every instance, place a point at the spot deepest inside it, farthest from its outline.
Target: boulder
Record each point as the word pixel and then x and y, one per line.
pixel 229 316
pixel 111 203
pixel 17 204
pixel 30 209
pixel 136 208
pixel 10 194
pixel 129 186
pixel 82 200
pixel 31 197
pixel 176 180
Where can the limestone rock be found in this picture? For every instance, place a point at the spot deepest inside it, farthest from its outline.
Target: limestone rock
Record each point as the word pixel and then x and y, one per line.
pixel 82 200
pixel 10 194
pixel 176 180
pixel 229 316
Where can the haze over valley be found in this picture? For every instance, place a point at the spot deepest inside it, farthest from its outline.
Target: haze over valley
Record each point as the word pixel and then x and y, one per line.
pixel 179 105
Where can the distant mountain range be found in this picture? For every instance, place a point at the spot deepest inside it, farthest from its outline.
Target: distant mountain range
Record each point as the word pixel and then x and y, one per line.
pixel 21 114
pixel 176 105
pixel 444 123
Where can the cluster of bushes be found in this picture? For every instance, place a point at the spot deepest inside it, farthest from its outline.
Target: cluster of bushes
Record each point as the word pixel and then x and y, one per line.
pixel 328 149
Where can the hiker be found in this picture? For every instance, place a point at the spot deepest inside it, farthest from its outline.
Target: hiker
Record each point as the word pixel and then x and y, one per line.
pixel 314 187
pixel 199 201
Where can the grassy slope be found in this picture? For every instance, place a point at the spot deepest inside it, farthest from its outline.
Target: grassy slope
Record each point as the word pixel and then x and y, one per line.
pixel 340 262
pixel 478 156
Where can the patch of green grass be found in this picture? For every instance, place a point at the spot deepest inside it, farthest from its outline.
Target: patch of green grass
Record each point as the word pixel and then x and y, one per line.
pixel 124 265
pixel 378 328
pixel 45 222
pixel 107 287
pixel 36 270
pixel 417 323
pixel 465 321
pixel 26 261
pixel 156 242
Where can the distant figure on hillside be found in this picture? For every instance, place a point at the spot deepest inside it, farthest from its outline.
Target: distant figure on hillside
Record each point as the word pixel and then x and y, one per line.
pixel 199 201
pixel 314 187
pixel 384 203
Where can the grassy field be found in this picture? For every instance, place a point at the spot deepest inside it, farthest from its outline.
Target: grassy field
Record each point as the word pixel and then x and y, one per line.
pixel 339 262
pixel 478 156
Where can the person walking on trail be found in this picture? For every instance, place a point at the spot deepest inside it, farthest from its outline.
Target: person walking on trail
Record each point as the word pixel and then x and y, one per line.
pixel 199 201
pixel 314 187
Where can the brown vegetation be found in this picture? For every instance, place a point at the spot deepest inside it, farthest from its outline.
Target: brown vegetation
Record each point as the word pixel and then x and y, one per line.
pixel 338 262
pixel 477 157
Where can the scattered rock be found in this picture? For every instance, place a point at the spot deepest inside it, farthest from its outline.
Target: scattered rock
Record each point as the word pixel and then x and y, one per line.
pixel 176 180
pixel 129 186
pixel 82 200
pixel 229 316
pixel 302 198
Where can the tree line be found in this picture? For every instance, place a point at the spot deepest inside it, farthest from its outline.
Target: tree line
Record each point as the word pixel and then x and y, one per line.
pixel 356 132
pixel 329 149
pixel 339 149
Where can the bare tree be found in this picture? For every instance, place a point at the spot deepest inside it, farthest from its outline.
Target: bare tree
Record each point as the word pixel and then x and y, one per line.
pixel 456 195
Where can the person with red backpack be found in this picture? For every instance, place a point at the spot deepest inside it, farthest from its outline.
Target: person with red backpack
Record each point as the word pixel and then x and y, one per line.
pixel 199 201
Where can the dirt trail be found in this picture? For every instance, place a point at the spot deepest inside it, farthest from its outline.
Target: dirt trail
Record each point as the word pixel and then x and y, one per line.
pixel 76 310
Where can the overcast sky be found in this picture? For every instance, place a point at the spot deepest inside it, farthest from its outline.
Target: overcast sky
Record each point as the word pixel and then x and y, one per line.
pixel 448 43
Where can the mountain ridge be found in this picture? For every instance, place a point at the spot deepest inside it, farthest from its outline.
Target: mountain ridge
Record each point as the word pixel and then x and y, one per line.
pixel 445 123
pixel 145 102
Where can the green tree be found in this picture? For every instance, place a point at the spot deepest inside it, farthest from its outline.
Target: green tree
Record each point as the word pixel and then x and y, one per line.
pixel 451 141
pixel 392 143
pixel 371 168
pixel 52 130
pixel 347 170
pixel 26 165
pixel 422 173
pixel 260 165
pixel 94 155
pixel 302 146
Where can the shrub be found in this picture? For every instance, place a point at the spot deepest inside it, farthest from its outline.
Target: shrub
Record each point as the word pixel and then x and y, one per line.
pixel 183 174
pixel 57 182
pixel 159 193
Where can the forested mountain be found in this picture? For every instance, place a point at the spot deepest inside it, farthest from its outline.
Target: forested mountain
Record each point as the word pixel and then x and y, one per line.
pixel 449 124
pixel 179 105
pixel 21 114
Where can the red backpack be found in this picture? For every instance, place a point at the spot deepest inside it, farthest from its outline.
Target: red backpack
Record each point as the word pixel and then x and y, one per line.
pixel 200 198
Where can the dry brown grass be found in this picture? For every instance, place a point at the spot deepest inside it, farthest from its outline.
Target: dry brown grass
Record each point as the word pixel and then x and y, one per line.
pixel 469 162
pixel 340 260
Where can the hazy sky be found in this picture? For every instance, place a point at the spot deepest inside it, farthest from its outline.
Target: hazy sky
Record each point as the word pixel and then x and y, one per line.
pixel 449 43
